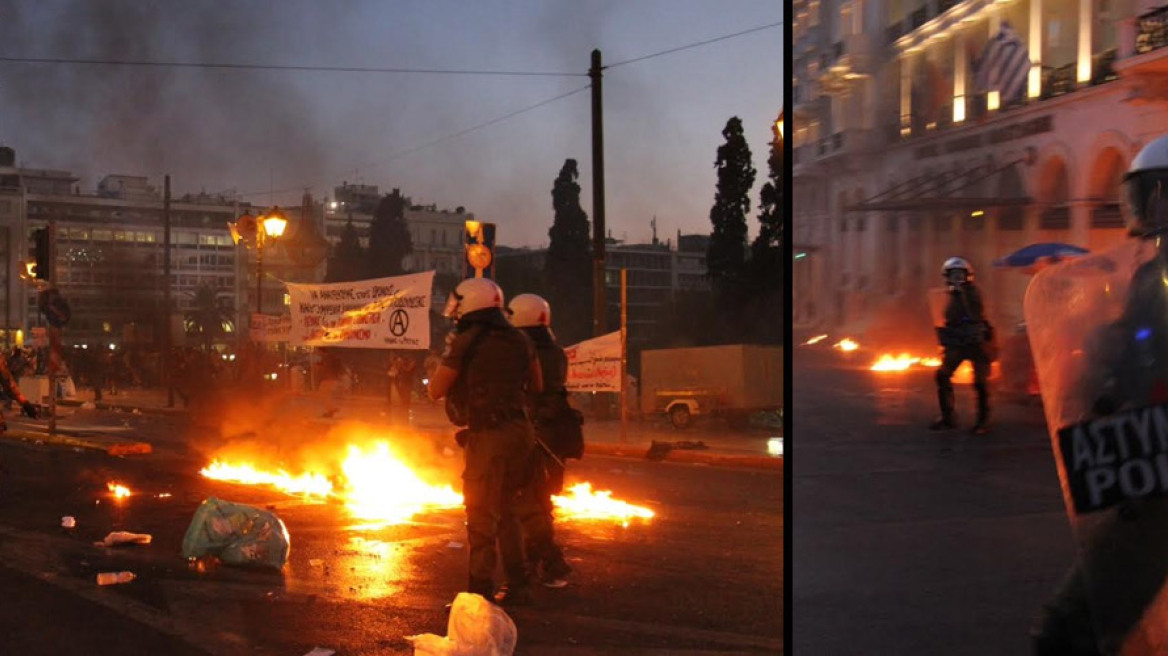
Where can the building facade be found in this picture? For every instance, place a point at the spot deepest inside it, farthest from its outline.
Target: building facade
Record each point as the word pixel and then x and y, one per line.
pixel 109 263
pixel 436 235
pixel 906 151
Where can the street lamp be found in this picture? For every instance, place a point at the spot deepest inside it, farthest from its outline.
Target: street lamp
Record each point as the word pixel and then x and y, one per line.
pixel 257 233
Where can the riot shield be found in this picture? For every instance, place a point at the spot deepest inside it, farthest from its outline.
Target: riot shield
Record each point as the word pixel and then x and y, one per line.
pixel 1098 329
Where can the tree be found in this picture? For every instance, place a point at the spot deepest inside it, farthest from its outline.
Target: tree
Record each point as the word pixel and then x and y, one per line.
pixel 726 255
pixel 568 266
pixel 209 315
pixel 389 237
pixel 766 261
pixel 347 262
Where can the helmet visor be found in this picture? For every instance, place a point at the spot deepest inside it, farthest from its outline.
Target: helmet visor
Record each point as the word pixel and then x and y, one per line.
pixel 1144 200
pixel 956 276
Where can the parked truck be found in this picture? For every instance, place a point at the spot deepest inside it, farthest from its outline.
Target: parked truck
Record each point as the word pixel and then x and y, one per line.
pixel 731 381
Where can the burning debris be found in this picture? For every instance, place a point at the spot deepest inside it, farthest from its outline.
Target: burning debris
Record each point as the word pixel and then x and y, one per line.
pixel 815 340
pixel 118 490
pixel 312 485
pixel 846 345
pixel 582 503
pixel 377 485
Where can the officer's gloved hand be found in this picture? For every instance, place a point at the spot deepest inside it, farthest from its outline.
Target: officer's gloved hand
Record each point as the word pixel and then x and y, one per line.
pixel 29 409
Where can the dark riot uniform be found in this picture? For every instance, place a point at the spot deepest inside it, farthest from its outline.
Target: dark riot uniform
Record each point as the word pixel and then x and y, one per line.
pixel 963 338
pixel 548 473
pixel 493 361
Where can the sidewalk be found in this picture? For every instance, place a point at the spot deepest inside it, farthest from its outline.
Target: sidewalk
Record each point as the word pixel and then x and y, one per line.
pixel 709 442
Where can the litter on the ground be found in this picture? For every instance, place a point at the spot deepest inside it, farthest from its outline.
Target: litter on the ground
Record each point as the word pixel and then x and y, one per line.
pixel 68 522
pixel 123 537
pixel 236 534
pixel 321 651
pixel 476 627
pixel 453 545
pixel 114 578
pixel 315 562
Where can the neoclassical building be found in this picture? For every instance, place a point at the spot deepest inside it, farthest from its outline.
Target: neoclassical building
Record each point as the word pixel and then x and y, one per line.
pixel 907 151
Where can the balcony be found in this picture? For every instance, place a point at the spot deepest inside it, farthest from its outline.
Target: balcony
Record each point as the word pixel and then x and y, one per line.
pixel 847 142
pixel 1152 31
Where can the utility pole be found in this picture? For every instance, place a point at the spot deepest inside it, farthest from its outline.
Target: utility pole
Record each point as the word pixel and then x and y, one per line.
pixel 599 309
pixel 166 345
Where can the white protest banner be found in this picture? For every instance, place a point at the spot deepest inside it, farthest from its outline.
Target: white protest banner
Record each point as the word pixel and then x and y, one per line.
pixel 391 313
pixel 271 328
pixel 594 365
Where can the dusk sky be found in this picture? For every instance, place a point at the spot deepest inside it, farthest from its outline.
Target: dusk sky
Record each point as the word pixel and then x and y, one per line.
pixel 258 130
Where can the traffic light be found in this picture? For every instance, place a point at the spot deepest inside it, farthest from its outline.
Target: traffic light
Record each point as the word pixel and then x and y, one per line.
pixel 479 250
pixel 44 253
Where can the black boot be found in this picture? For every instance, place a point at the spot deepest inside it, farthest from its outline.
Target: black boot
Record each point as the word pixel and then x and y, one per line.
pixel 948 418
pixel 983 410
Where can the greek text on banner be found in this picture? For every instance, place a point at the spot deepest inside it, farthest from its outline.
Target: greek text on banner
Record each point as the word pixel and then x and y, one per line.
pixel 388 313
pixel 594 365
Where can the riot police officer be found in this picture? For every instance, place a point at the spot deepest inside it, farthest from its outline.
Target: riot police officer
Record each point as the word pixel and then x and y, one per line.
pixel 558 438
pixel 487 370
pixel 966 335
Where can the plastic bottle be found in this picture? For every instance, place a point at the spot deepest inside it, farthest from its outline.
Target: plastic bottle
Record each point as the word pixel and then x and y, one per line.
pixel 113 578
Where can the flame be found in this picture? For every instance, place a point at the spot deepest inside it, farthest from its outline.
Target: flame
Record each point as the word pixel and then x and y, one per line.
pixel 815 340
pixel 309 484
pixel 846 344
pixel 119 491
pixel 583 503
pixel 380 487
pixel 887 362
pixel 930 362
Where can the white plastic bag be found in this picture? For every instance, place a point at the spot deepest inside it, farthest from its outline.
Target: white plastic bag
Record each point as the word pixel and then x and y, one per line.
pixel 476 628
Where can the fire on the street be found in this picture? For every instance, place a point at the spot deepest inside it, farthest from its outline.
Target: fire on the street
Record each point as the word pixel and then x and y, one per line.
pixel 582 502
pixel 846 344
pixel 118 490
pixel 310 484
pixel 888 362
pixel 815 340
pixel 380 487
pixel 377 486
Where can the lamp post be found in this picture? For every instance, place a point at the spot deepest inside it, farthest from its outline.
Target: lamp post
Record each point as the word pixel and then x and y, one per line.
pixel 258 233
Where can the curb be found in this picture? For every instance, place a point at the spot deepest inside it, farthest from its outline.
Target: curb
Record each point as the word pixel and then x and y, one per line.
pixel 125 408
pixel 114 449
pixel 680 455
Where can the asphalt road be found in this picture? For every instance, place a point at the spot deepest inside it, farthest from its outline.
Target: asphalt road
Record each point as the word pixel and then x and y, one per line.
pixel 704 576
pixel 913 542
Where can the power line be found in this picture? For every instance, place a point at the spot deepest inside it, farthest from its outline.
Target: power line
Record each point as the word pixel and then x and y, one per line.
pixel 454 135
pixel 695 45
pixel 277 67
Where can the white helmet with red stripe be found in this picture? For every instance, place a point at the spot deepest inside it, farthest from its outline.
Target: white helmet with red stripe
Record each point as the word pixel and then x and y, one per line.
pixel 529 310
pixel 473 294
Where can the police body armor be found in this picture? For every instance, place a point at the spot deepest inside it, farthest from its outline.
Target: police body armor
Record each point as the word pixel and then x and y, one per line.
pixel 490 387
pixel 1098 329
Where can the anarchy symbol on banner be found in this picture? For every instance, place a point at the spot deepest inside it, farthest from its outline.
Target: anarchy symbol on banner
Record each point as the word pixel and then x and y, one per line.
pixel 399 322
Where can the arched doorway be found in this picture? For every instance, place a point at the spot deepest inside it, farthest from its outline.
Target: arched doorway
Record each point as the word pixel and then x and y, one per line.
pixel 1106 176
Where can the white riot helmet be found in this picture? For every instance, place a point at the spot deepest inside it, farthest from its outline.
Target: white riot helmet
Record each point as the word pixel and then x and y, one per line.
pixel 528 311
pixel 957 270
pixel 473 294
pixel 1144 196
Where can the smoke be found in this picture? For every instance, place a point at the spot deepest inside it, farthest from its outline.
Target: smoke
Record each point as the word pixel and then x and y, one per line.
pixel 287 431
pixel 200 124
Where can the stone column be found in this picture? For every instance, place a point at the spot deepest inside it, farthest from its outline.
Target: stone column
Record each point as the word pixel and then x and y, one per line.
pixel 1086 25
pixel 1034 88
pixel 1080 222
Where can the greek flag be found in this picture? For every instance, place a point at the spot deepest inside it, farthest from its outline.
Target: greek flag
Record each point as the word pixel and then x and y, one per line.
pixel 1004 65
